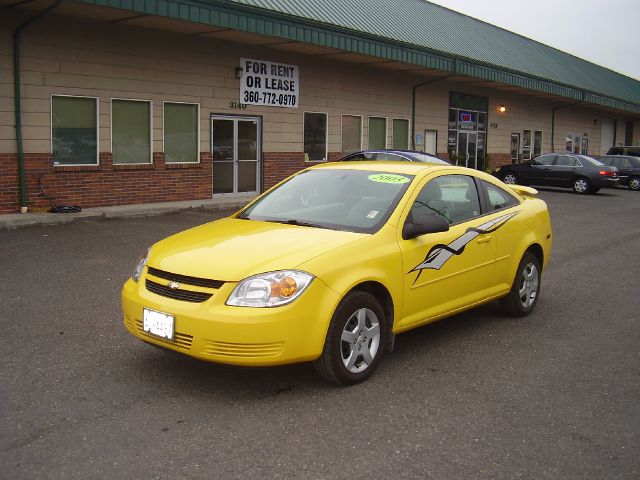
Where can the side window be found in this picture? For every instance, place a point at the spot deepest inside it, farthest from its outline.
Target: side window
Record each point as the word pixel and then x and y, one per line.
pixel 452 197
pixel 545 160
pixel 606 160
pixel 498 198
pixel 624 163
pixel 566 161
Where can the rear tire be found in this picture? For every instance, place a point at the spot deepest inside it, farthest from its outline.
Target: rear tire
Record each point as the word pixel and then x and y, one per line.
pixel 581 185
pixel 525 291
pixel 355 340
pixel 634 183
pixel 510 178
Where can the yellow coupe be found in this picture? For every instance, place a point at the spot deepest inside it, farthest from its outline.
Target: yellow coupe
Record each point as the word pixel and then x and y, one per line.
pixel 330 264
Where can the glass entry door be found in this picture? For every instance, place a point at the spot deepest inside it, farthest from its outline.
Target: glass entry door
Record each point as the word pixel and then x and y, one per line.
pixel 468 149
pixel 235 146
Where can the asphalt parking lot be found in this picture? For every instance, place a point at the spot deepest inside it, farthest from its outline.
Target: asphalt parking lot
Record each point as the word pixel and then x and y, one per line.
pixel 555 395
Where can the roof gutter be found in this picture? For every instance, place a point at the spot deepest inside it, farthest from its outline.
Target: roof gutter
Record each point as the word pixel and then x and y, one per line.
pixel 413 107
pixel 17 98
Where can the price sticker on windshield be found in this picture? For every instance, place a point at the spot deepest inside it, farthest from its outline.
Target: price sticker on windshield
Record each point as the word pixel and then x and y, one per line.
pixel 388 178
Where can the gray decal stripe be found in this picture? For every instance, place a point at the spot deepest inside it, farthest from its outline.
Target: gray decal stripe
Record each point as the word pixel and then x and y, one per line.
pixel 440 254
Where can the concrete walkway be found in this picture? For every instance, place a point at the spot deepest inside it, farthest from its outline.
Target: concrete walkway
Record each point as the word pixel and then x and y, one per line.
pixel 12 221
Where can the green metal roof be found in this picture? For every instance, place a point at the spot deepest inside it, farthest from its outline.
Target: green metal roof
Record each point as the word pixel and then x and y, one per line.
pixel 415 32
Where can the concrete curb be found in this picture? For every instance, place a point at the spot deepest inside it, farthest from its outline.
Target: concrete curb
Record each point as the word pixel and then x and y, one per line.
pixel 14 221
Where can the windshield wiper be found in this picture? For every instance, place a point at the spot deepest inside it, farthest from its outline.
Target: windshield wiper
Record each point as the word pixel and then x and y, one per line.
pixel 293 221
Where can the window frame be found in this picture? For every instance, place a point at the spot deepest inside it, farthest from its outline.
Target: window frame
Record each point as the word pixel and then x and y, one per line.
pixel 386 132
pixel 408 132
pixel 58 164
pixel 326 136
pixel 150 102
pixel 361 117
pixel 164 102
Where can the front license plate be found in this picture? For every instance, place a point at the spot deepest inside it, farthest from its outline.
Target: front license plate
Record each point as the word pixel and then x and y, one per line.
pixel 157 323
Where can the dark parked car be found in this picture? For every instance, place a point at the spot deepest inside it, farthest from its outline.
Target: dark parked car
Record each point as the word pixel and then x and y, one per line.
pixel 625 150
pixel 395 155
pixel 581 173
pixel 628 169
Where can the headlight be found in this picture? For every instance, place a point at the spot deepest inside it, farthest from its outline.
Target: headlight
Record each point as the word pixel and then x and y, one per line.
pixel 271 289
pixel 141 263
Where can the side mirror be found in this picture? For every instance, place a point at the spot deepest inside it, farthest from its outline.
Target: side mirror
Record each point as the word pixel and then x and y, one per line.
pixel 424 224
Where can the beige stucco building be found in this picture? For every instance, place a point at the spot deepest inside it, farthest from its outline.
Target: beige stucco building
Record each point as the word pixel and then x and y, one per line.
pixel 121 102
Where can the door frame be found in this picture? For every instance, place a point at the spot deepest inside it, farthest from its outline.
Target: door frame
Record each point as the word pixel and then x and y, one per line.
pixel 260 153
pixel 466 150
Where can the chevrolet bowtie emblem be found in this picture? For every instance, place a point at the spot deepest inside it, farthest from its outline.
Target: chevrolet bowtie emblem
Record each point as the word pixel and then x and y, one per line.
pixel 173 285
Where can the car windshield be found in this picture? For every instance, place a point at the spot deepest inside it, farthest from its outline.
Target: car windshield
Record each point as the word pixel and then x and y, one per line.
pixel 349 200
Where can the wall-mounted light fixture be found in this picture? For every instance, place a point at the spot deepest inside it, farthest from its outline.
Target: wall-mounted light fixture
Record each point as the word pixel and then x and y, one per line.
pixel 502 108
pixel 238 72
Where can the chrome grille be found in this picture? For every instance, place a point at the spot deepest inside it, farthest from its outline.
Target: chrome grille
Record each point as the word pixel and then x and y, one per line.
pixel 180 340
pixel 175 277
pixel 177 293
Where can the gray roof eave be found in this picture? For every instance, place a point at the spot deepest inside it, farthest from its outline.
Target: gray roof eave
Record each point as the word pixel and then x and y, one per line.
pixel 251 19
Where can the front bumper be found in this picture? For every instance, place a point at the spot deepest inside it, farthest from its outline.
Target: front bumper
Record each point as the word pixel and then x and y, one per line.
pixel 247 336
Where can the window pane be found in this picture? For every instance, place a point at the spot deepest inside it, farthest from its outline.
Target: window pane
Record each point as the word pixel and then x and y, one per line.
pixel 180 132
pixel 400 134
pixel 247 140
pixel 131 131
pixel 526 144
pixel 74 130
pixel 537 143
pixel 351 134
pixel 222 140
pixel 377 132
pixel 315 136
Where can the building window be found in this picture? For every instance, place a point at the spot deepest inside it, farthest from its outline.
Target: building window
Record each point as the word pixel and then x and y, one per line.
pixel 181 132
pixel 578 144
pixel 537 143
pixel 131 131
pixel 74 130
pixel 400 134
pixel 377 132
pixel 351 134
pixel 526 144
pixel 515 147
pixel 315 136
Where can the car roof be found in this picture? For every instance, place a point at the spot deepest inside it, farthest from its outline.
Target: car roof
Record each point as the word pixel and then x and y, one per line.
pixel 386 166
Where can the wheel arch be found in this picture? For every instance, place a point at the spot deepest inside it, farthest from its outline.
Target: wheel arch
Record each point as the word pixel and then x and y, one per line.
pixel 382 294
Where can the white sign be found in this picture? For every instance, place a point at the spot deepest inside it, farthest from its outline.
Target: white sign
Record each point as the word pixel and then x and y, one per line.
pixel 418 138
pixel 268 83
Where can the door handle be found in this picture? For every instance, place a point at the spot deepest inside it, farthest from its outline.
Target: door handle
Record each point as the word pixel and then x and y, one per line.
pixel 484 239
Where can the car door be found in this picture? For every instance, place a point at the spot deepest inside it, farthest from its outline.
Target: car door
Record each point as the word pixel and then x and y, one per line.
pixel 564 170
pixel 446 271
pixel 541 172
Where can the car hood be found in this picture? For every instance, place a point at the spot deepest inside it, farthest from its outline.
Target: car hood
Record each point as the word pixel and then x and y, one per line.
pixel 232 249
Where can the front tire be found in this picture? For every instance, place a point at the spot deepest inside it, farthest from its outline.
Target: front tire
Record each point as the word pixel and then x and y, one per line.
pixel 634 183
pixel 525 291
pixel 581 185
pixel 355 340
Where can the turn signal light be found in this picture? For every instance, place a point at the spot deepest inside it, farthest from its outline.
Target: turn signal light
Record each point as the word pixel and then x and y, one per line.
pixel 285 288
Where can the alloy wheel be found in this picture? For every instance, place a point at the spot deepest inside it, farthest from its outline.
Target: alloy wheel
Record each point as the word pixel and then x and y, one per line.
pixel 529 284
pixel 360 340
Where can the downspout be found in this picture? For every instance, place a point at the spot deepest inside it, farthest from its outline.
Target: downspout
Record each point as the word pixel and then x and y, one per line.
pixel 553 120
pixel 413 107
pixel 17 102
